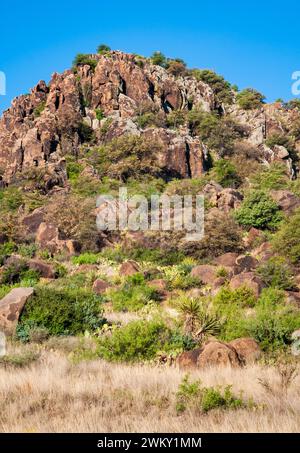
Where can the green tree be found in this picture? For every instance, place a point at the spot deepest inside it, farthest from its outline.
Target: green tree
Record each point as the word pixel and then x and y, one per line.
pixel 258 210
pixel 103 48
pixel 249 99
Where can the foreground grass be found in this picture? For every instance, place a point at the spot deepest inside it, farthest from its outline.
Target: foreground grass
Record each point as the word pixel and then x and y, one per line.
pixel 51 394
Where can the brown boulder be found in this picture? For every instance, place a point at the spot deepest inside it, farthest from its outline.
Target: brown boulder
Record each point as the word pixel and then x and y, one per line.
pixel 44 269
pixel 216 353
pixel 129 268
pixel 246 263
pixel 205 273
pixel 247 349
pixel 229 199
pixel 10 308
pixel 159 285
pixel 188 359
pixel 32 221
pixel 286 200
pixel 100 286
pixel 248 279
pixel 227 259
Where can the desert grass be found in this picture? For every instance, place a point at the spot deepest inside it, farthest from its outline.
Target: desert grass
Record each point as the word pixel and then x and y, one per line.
pixel 52 394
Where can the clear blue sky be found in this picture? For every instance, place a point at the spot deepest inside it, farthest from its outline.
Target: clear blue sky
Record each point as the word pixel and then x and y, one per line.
pixel 253 44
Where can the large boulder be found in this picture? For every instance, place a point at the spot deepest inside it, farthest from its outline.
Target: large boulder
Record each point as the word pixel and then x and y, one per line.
pixel 247 349
pixel 205 273
pixel 11 307
pixel 129 268
pixel 188 359
pixel 44 269
pixel 216 353
pixel 229 199
pixel 227 259
pixel 100 286
pixel 246 263
pixel 248 279
pixel 286 200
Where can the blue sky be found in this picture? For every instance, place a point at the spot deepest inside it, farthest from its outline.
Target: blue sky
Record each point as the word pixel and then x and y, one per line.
pixel 252 44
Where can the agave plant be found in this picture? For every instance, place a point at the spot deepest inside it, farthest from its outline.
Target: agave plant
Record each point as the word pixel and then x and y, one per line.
pixel 198 322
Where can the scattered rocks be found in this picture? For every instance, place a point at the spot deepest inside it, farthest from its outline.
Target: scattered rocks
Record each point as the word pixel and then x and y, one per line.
pixel 286 200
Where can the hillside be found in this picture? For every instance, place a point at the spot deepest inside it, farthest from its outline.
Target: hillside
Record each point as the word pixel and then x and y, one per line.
pixel 150 298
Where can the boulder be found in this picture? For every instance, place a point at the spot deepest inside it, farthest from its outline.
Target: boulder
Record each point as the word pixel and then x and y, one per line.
pixel 229 199
pixel 246 263
pixel 292 297
pixel 11 307
pixel 227 259
pixel 129 268
pixel 286 200
pixel 100 286
pixel 47 235
pixel 216 353
pixel 247 348
pixel 44 269
pixel 159 285
pixel 248 279
pixel 188 359
pixel 253 236
pixel 32 221
pixel 205 273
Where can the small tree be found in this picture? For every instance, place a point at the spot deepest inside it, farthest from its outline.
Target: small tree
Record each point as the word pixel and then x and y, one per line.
pixel 259 210
pixel 250 99
pixel 103 48
pixel 159 59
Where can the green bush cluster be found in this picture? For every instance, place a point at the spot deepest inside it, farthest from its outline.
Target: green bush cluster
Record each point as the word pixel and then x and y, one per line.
pixel 276 273
pixel 249 99
pixel 218 84
pixel 287 240
pixel 61 312
pixel 259 210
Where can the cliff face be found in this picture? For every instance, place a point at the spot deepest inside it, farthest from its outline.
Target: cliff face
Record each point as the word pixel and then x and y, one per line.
pixel 41 128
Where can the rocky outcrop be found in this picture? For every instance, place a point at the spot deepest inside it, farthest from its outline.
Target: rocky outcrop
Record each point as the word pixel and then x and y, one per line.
pixel 11 307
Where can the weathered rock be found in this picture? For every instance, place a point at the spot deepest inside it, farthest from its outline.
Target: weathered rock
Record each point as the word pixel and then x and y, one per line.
pixel 247 348
pixel 246 263
pixel 227 259
pixel 264 252
pixel 129 268
pixel 229 199
pixel 205 273
pixel 188 359
pixel 44 269
pixel 32 221
pixel 253 235
pixel 11 307
pixel 47 235
pixel 159 285
pixel 286 200
pixel 292 297
pixel 216 353
pixel 248 279
pixel 100 286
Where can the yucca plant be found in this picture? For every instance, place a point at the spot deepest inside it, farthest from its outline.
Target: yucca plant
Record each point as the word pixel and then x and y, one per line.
pixel 198 322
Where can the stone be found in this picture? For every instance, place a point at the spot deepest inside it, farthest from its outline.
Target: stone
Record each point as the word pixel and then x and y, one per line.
pixel 44 269
pixel 11 307
pixel 253 235
pixel 100 286
pixel 227 259
pixel 292 297
pixel 247 348
pixel 188 359
pixel 229 199
pixel 205 273
pixel 129 268
pixel 286 200
pixel 159 284
pixel 248 279
pixel 246 263
pixel 216 353
pixel 32 221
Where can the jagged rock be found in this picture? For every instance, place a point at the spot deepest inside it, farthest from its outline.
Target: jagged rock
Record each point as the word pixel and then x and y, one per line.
pixel 11 307
pixel 247 348
pixel 263 252
pixel 205 273
pixel 32 221
pixel 211 192
pixel 248 279
pixel 129 268
pixel 292 297
pixel 48 237
pixel 216 353
pixel 286 200
pixel 229 199
pixel 100 286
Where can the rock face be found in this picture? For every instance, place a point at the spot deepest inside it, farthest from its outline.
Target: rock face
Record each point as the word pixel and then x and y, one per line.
pixel 205 273
pixel 11 307
pixel 41 128
pixel 248 279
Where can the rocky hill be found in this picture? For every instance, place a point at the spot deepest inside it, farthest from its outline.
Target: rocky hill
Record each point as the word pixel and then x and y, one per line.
pixel 155 126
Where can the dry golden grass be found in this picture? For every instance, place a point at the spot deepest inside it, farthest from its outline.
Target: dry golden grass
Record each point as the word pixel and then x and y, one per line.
pixel 54 395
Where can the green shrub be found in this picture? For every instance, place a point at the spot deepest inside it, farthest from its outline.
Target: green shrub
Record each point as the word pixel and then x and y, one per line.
pixel 159 59
pixel 226 173
pixel 258 210
pixel 11 199
pixel 39 109
pixel 270 178
pixel 192 395
pixel 287 240
pixel 138 340
pixel 61 312
pixel 6 250
pixel 242 296
pixel 86 258
pixel 249 99
pixel 85 132
pixel 133 295
pixel 27 250
pixel 274 321
pixel 84 59
pixel 99 114
pixel 218 84
pixel 73 168
pixel 278 139
pixel 102 49
pixel 19 360
pixel 276 273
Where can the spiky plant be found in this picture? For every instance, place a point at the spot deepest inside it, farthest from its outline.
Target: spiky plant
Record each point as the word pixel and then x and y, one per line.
pixel 198 322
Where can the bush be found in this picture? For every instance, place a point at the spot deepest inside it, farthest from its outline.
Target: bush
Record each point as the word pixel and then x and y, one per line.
pixel 278 139
pixel 159 59
pixel 10 199
pixel 274 321
pixel 243 297
pixel 99 114
pixel 218 84
pixel 192 395
pixel 177 67
pixel 287 240
pixel 102 49
pixel 86 258
pixel 84 59
pixel 133 295
pixel 39 109
pixel 249 99
pixel 85 132
pixel 270 178
pixel 259 210
pixel 276 273
pixel 6 250
pixel 226 174
pixel 61 312
pixel 138 340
